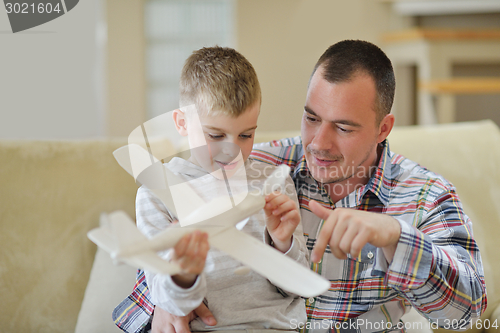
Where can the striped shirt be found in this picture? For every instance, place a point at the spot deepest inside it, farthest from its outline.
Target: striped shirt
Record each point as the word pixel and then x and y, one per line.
pixel 436 267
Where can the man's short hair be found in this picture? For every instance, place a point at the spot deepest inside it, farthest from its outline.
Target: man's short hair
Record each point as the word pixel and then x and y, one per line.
pixel 345 59
pixel 219 79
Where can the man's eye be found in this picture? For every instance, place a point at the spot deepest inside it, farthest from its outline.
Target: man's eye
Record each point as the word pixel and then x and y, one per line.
pixel 344 130
pixel 311 119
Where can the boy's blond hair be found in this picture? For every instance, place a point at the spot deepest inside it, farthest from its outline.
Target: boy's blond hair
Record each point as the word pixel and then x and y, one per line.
pixel 219 79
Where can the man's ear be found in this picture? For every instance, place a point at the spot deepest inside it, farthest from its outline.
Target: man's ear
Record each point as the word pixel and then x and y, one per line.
pixel 385 127
pixel 180 121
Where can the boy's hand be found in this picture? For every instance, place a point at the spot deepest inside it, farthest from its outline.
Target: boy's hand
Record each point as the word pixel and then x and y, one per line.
pixel 190 253
pixel 283 217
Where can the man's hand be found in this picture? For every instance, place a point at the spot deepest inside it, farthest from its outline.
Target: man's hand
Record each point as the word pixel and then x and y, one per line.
pixel 348 230
pixel 282 218
pixel 164 322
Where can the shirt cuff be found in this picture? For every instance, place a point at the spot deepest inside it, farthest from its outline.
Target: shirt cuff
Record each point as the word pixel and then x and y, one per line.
pixel 175 290
pixel 293 252
pixel 412 261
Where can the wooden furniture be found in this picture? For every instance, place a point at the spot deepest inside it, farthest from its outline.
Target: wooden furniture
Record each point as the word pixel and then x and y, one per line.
pixel 434 52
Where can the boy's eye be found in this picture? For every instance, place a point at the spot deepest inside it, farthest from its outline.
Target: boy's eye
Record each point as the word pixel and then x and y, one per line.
pixel 246 136
pixel 215 136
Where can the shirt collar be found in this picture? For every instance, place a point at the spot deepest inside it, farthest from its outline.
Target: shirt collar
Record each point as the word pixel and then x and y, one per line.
pixel 301 167
pixel 379 182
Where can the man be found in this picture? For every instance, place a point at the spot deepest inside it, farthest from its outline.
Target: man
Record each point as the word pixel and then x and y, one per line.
pixel 388 233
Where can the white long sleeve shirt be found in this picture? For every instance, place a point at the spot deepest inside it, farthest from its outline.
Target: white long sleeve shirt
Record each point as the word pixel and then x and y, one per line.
pixel 238 301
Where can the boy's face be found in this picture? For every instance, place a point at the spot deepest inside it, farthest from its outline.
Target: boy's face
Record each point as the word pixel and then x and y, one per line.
pixel 223 142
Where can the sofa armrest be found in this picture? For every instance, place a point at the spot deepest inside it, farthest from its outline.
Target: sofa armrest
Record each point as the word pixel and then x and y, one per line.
pixel 494 320
pixel 108 285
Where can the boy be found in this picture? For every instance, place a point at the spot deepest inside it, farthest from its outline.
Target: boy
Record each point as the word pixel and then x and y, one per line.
pixel 224 89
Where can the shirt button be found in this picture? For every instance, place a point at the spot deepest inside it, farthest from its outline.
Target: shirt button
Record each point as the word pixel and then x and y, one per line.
pixel 311 300
pixel 369 255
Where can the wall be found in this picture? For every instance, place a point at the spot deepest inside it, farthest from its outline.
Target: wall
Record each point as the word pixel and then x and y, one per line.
pixel 126 85
pixel 51 77
pixel 284 38
pixel 58 82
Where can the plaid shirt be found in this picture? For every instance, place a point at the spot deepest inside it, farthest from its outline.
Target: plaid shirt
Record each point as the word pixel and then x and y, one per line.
pixel 436 267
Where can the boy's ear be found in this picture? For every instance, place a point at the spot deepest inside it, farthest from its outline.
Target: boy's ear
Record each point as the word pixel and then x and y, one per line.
pixel 180 122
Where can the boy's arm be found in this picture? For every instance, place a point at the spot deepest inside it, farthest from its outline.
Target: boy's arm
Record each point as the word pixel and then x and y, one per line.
pixel 297 250
pixel 153 217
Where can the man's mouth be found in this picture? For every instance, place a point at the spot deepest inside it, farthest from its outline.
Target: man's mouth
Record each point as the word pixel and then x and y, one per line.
pixel 323 162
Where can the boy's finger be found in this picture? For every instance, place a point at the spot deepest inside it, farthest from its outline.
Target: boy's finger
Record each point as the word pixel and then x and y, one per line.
pixel 277 201
pixel 271 196
pixel 205 246
pixel 192 249
pixel 286 206
pixel 181 246
pixel 292 216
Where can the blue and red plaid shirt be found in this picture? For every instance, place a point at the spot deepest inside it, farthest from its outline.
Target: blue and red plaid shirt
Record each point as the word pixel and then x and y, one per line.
pixel 436 267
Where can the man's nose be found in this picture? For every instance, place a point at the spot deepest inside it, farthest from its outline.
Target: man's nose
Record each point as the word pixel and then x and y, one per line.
pixel 323 137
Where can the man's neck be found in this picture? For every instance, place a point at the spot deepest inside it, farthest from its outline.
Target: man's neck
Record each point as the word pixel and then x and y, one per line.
pixel 340 190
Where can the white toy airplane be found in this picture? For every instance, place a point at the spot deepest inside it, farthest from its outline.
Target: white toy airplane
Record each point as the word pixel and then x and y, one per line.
pixel 119 236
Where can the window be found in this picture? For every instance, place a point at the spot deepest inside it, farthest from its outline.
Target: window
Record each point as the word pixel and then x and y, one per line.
pixel 174 28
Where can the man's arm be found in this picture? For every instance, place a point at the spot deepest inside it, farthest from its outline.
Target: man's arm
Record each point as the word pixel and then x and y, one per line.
pixel 436 264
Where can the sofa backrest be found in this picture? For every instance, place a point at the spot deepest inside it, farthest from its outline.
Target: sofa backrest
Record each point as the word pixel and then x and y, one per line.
pixel 51 195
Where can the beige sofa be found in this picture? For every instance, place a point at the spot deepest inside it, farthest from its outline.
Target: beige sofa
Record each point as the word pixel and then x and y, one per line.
pixel 52 193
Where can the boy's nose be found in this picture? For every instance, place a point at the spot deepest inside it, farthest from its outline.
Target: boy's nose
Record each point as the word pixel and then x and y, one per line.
pixel 230 149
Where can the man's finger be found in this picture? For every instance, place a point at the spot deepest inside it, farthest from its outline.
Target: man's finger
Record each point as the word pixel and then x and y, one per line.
pixel 164 322
pixel 326 231
pixel 181 326
pixel 319 210
pixel 205 315
pixel 345 242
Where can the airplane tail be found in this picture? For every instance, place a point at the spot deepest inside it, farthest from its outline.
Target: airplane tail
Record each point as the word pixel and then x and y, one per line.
pixel 119 236
pixel 116 233
pixel 124 230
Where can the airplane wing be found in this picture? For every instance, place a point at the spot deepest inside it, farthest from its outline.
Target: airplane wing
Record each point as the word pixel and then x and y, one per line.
pixel 152 262
pixel 278 268
pixel 119 236
pixel 136 250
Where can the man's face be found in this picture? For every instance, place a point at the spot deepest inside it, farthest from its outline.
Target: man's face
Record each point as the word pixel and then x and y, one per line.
pixel 339 129
pixel 228 140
